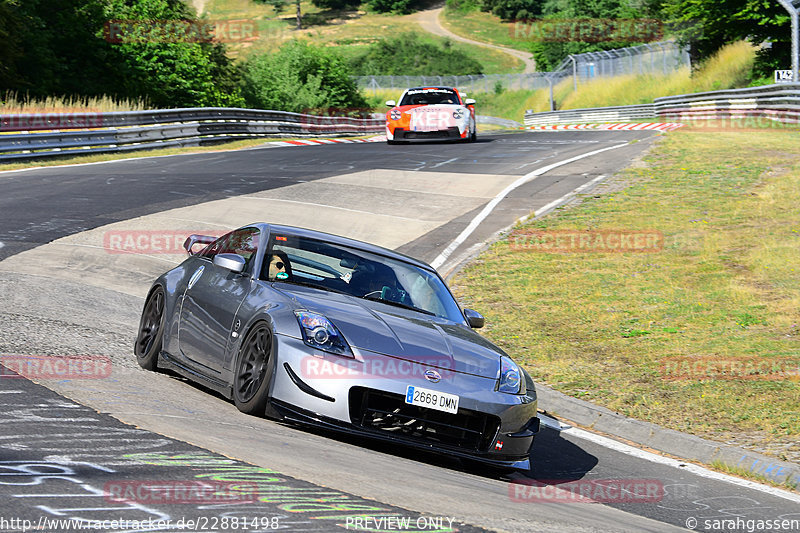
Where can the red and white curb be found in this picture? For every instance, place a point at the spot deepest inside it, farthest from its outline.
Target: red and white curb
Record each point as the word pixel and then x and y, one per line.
pixel 311 142
pixel 657 126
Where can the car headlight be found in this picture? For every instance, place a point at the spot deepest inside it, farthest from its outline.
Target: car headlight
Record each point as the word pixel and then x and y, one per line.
pixel 510 377
pixel 395 114
pixel 320 333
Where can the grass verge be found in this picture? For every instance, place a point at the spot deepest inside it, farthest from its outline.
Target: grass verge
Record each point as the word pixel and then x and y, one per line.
pixel 725 287
pixel 482 26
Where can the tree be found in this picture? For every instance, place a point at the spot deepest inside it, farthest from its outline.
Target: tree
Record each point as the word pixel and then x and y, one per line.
pixel 167 68
pixel 409 55
pixel 64 47
pixel 300 78
pixel 707 25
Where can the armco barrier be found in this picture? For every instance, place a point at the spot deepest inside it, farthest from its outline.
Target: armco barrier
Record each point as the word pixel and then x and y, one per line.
pixel 776 102
pixel 597 114
pixel 779 103
pixel 30 136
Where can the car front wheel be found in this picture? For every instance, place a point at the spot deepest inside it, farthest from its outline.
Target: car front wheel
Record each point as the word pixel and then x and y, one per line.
pixel 254 371
pixel 151 331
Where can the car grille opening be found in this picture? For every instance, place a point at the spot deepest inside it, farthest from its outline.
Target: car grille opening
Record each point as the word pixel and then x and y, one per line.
pixel 388 413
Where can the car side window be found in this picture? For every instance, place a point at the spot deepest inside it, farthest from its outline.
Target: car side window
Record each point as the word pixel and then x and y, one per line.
pixel 243 242
pixel 215 247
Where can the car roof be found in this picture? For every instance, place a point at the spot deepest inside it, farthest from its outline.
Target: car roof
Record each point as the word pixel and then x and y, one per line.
pixel 338 239
pixel 438 87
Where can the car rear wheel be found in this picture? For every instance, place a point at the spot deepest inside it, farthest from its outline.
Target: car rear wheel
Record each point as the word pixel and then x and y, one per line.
pixel 151 331
pixel 253 371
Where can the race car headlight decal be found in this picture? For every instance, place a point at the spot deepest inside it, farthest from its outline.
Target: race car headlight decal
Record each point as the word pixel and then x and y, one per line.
pixel 458 114
pixel 320 333
pixel 510 377
pixel 395 114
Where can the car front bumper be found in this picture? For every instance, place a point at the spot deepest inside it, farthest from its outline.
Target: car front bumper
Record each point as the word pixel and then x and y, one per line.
pixel 490 426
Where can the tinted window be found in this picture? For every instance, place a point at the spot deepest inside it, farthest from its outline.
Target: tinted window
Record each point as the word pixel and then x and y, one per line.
pixel 243 242
pixel 359 273
pixel 429 96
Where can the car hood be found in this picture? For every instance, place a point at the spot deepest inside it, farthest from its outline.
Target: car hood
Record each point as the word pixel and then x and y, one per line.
pixel 404 334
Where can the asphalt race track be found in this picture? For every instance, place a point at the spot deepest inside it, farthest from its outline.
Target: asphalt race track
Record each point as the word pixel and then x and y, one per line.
pixel 80 246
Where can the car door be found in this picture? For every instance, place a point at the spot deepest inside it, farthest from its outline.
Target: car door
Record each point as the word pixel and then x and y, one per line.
pixel 213 297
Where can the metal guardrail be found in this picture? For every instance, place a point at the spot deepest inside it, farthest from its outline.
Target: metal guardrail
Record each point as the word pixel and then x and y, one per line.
pixel 30 136
pixel 596 114
pixel 779 103
pixel 495 121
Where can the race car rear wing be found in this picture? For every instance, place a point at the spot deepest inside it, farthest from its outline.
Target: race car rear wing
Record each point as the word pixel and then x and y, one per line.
pixel 191 240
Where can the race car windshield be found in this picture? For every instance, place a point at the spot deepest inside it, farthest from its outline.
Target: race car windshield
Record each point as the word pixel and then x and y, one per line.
pixel 332 267
pixel 429 96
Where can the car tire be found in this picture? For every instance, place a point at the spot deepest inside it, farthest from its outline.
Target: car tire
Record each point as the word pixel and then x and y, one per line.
pixel 474 135
pixel 149 340
pixel 253 371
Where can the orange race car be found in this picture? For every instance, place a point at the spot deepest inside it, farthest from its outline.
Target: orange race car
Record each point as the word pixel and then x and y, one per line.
pixel 430 113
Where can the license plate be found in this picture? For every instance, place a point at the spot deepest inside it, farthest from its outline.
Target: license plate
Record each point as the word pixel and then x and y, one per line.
pixel 441 401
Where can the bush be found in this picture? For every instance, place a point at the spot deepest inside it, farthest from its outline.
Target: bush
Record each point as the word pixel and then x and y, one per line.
pixel 409 55
pixel 336 4
pixel 299 78
pixel 402 7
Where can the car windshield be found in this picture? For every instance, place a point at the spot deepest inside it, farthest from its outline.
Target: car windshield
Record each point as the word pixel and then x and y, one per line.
pixel 429 96
pixel 310 262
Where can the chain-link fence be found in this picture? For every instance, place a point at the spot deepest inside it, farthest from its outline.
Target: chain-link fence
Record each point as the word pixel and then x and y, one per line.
pixel 653 58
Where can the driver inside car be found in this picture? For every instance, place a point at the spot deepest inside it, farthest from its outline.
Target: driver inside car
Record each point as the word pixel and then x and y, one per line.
pixel 376 281
pixel 279 267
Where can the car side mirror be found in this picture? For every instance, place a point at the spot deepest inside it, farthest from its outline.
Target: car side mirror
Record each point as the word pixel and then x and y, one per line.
pixel 469 101
pixel 391 103
pixel 233 262
pixel 474 318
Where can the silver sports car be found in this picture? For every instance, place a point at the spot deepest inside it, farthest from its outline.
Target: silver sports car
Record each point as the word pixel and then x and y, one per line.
pixel 318 329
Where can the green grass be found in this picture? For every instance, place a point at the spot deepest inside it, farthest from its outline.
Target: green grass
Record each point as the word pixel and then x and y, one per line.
pixel 726 285
pixel 481 26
